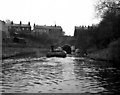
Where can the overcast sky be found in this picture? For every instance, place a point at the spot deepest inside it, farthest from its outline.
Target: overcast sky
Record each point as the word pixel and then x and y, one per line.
pixel 65 13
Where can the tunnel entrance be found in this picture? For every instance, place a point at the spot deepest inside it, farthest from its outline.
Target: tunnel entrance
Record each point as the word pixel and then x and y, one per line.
pixel 67 48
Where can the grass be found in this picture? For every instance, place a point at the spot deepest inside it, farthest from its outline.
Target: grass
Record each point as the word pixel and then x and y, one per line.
pixel 30 49
pixel 10 52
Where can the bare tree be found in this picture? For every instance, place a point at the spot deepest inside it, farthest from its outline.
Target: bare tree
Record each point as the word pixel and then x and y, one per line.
pixel 107 6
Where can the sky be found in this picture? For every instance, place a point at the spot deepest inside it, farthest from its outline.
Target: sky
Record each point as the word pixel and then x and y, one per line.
pixel 64 13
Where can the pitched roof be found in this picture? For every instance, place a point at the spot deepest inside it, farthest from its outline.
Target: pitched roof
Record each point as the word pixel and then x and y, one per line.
pixel 48 27
pixel 18 25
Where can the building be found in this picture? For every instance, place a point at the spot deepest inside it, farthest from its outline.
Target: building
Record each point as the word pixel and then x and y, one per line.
pixel 53 31
pixel 79 29
pixel 19 28
pixel 3 29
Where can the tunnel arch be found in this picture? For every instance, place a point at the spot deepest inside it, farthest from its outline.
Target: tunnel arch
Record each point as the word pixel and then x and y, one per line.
pixel 67 48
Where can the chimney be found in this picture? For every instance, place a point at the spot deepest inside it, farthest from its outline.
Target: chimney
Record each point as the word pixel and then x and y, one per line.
pixel 12 22
pixel 55 25
pixel 29 23
pixel 34 24
pixel 20 22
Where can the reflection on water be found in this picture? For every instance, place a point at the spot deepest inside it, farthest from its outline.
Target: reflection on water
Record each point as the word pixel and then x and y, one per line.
pixel 58 75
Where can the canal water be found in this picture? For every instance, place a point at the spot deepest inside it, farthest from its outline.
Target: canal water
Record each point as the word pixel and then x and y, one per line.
pixel 59 75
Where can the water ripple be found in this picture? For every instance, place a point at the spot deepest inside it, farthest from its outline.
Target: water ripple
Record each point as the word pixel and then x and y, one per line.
pixel 54 75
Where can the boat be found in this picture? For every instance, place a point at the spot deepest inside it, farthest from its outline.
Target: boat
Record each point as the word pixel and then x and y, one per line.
pixel 62 54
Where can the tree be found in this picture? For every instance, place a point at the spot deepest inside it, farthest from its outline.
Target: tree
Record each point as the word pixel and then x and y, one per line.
pixel 109 27
pixel 104 7
pixel 109 11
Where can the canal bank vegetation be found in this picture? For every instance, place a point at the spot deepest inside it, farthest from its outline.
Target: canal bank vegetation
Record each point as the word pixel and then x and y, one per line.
pixel 25 45
pixel 31 48
pixel 102 41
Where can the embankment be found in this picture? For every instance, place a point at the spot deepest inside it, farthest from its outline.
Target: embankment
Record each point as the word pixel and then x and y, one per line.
pixel 18 52
pixel 109 54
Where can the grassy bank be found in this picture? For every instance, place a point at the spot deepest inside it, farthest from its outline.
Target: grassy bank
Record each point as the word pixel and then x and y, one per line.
pixel 11 49
pixel 13 52
pixel 110 54
pixel 101 55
